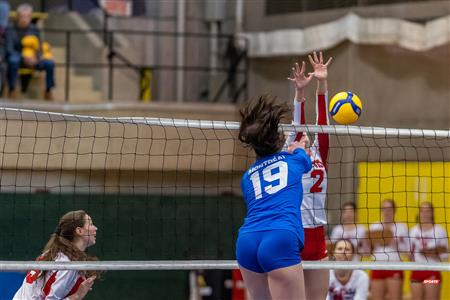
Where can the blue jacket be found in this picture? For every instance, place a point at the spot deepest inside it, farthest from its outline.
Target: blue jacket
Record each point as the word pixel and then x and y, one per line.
pixel 14 37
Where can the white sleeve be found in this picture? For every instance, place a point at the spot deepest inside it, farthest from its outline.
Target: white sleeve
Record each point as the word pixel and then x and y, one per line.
pixel 363 244
pixel 413 247
pixel 376 227
pixel 361 231
pixel 442 241
pixel 403 238
pixel 330 281
pixel 63 284
pixel 336 234
pixel 362 289
pixel 296 121
pixel 297 112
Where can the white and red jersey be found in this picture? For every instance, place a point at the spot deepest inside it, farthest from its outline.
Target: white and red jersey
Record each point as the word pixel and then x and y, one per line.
pixel 428 239
pixel 357 288
pixel 357 235
pixel 315 181
pixel 399 243
pixel 54 285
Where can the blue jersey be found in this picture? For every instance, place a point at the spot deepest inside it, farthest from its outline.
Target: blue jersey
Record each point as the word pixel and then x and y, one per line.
pixel 272 190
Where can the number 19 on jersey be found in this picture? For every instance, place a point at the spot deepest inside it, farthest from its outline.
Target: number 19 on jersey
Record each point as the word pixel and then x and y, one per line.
pixel 274 178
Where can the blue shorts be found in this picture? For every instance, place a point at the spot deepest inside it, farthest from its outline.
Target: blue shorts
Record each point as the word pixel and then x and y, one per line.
pixel 265 251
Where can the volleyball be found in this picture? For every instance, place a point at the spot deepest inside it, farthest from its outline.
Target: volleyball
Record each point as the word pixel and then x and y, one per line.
pixel 345 108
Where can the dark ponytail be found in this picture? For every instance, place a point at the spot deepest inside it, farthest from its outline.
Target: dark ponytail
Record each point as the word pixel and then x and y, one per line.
pixel 259 125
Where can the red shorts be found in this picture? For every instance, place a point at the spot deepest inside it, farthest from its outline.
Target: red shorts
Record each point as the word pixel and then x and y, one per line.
pixel 315 247
pixel 420 276
pixel 238 289
pixel 384 274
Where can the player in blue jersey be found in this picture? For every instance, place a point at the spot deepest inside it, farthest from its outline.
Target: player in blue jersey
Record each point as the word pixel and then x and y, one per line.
pixel 271 238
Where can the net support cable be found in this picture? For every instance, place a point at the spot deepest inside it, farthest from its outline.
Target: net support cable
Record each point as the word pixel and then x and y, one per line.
pixel 211 265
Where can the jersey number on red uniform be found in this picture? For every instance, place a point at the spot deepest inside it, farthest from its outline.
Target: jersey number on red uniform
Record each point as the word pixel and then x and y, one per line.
pixel 32 276
pixel 316 188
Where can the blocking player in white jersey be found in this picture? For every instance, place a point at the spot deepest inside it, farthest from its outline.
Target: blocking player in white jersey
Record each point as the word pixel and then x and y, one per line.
pixel 388 240
pixel 315 181
pixel 74 233
pixel 429 243
pixel 347 284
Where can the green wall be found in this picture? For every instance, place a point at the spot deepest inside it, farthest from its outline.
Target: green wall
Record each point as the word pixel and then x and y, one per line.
pixel 131 227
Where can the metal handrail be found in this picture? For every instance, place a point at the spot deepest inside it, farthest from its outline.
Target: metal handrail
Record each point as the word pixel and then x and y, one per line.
pixel 113 54
pixel 146 32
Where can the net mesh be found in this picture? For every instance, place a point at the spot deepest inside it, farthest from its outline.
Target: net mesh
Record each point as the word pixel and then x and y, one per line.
pixel 165 189
pixel 156 191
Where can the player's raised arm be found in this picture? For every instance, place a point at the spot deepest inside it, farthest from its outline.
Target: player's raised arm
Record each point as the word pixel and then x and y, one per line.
pixel 321 74
pixel 320 71
pixel 300 81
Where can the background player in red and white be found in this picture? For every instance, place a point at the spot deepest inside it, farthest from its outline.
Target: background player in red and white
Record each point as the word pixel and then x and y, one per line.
pixel 315 181
pixel 350 230
pixel 429 243
pixel 74 233
pixel 388 240
pixel 347 284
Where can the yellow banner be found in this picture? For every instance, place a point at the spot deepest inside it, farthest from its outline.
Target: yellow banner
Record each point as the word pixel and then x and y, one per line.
pixel 408 184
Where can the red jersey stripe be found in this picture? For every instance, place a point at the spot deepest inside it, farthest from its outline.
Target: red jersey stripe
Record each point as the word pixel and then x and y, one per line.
pixel 48 284
pixel 75 287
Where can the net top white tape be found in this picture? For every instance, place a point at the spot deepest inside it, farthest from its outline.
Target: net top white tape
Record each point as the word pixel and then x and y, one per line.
pixel 34 115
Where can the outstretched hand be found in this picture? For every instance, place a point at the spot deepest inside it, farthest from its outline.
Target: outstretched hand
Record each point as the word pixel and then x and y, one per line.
pixel 320 68
pixel 85 287
pixel 303 143
pixel 299 78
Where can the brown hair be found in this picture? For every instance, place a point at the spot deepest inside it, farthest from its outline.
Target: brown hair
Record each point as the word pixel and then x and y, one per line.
pixel 391 202
pixel 351 204
pixel 259 125
pixel 63 237
pixel 430 205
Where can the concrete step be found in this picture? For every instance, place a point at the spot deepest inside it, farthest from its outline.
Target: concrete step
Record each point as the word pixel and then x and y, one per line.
pixel 75 80
pixel 59 54
pixel 80 91
pixel 78 96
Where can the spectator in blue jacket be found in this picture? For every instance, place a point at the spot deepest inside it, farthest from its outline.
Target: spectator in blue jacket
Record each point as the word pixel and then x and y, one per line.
pixel 23 49
pixel 4 15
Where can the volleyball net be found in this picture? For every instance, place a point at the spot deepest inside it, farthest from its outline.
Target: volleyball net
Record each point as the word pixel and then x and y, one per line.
pixel 165 193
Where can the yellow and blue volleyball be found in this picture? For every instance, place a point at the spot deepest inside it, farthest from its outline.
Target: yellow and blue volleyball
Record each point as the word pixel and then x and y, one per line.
pixel 345 108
